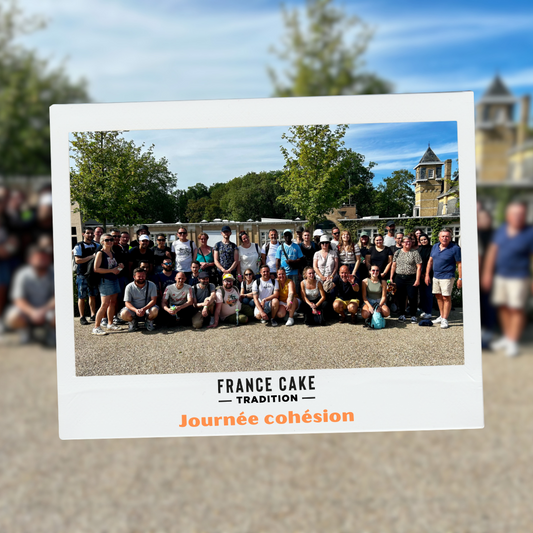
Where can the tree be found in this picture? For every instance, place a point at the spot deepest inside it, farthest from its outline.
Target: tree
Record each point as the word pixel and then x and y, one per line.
pixel 114 179
pixel 320 60
pixel 314 174
pixel 28 87
pixel 396 196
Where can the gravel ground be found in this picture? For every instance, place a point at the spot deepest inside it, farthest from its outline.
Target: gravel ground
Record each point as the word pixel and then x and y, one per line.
pixel 257 347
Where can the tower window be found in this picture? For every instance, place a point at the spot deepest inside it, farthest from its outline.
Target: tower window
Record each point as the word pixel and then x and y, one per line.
pixel 430 173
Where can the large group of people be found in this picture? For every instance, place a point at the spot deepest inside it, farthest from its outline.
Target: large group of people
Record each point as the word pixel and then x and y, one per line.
pixel 311 276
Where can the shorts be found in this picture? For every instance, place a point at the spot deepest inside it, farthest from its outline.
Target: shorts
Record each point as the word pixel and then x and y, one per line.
pixel 267 308
pixel 298 302
pixel 511 292
pixel 373 302
pixel 83 288
pixel 347 302
pixel 443 286
pixel 108 287
pixel 124 312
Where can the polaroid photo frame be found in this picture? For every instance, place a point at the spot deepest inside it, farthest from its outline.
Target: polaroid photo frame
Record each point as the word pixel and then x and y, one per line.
pixel 318 400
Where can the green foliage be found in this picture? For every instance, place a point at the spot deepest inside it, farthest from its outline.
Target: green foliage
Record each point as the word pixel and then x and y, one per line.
pixel 324 55
pixel 28 87
pixel 436 225
pixel 396 194
pixel 316 170
pixel 114 179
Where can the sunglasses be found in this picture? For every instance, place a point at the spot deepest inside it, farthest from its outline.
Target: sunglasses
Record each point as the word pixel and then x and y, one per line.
pixel 161 240
pixel 109 240
pixel 335 234
pixel 182 233
pixel 248 273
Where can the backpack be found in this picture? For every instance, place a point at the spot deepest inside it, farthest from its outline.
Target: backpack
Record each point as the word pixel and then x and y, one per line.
pixel 92 277
pixel 377 321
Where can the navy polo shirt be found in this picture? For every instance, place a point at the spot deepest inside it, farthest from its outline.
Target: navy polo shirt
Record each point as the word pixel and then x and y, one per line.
pixel 514 253
pixel 444 260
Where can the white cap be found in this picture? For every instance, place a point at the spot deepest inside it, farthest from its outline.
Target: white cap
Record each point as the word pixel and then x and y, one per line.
pixel 318 233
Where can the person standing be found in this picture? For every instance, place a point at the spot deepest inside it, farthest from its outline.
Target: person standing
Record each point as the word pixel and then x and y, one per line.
pixel 389 239
pixel 507 271
pixel 226 255
pixel 141 253
pixel 204 255
pixel 445 255
pixel 268 252
pixel 288 256
pixel 426 296
pixel 335 239
pixel 185 252
pixel 161 252
pixel 380 256
pixel 249 255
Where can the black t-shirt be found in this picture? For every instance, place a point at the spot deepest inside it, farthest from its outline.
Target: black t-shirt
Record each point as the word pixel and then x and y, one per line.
pixel 344 290
pixel 135 244
pixel 308 254
pixel 122 256
pixel 163 281
pixel 135 256
pixel 159 254
pixel 380 259
pixel 395 248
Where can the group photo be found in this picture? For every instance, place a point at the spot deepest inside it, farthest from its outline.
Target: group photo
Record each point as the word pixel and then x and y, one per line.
pixel 322 264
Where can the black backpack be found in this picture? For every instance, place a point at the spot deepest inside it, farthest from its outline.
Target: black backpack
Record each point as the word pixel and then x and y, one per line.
pixel 92 277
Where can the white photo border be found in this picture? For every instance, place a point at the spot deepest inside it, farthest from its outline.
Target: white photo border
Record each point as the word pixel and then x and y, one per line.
pixel 381 399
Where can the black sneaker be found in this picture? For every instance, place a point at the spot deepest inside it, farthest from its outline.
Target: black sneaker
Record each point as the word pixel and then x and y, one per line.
pixel 83 321
pixel 93 318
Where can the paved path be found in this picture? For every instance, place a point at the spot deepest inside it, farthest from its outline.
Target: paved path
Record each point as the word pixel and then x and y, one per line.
pixel 443 481
pixel 260 347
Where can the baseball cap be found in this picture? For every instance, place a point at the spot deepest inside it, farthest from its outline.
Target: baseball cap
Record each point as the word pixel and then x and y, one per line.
pixel 203 275
pixel 318 233
pixel 324 238
pixel 225 228
pixel 144 238
pixel 287 231
pixel 228 276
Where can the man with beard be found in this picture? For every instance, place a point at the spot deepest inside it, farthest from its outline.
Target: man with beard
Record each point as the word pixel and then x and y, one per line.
pixel 226 254
pixel 84 251
pixel 140 302
pixel 166 277
pixel 228 304
pixel 288 256
pixel 346 294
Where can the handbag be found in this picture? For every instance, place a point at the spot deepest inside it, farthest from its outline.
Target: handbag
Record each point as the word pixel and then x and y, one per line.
pixel 328 285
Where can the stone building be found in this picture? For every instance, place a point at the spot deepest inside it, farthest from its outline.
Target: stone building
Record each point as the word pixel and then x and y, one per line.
pixel 435 194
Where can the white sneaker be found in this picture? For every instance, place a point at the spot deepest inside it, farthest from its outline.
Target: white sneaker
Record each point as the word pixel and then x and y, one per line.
pixel 290 322
pixel 113 327
pixel 512 349
pixel 437 320
pixel 99 331
pixel 425 316
pixel 500 344
pixel 444 323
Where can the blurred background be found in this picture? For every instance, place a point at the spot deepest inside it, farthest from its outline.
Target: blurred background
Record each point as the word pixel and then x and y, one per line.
pixel 59 51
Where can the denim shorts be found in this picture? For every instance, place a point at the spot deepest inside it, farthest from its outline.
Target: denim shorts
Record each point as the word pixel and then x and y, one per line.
pixel 83 288
pixel 108 287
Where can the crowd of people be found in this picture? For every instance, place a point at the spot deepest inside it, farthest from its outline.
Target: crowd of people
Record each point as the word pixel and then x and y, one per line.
pixel 313 277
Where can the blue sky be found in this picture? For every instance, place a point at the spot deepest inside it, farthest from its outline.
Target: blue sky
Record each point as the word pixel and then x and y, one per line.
pixel 133 50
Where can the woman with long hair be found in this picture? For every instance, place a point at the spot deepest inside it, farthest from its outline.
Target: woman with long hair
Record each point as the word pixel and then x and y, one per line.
pixel 349 253
pixel 374 295
pixel 249 255
pixel 314 296
pixel 425 291
pixel 106 265
pixel 379 255
pixel 206 258
pixel 325 261
pixel 247 296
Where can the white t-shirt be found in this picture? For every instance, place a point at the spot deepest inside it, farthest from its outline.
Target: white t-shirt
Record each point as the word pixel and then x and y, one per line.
pixel 389 241
pixel 230 302
pixel 271 257
pixel 264 289
pixel 183 255
pixel 249 258
pixel 176 296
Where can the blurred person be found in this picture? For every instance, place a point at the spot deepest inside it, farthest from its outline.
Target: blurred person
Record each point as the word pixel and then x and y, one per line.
pixel 205 257
pixel 363 243
pixel 444 258
pixel 379 255
pixel 425 289
pixel 418 232
pixel 314 297
pixel 141 253
pixel 140 301
pixel 288 256
pixel 398 242
pixel 317 234
pixel 288 300
pixel 124 239
pixel 325 262
pixel 507 271
pixel 105 264
pixel 141 230
pixel 204 296
pixel 268 252
pixel 121 251
pixel 147 266
pixel 226 254
pixel 389 239
pixel 195 271
pixel 161 252
pixel 249 255
pixel 247 296
pixel 184 252
pixel 488 311
pixel 346 294
pixel 349 253
pixel 299 236
pixel 84 251
pixel 374 293
pixel 266 297
pixel 32 294
pixel 405 272
pixel 98 232
pixel 308 248
pixel 335 239
pixel 414 241
pixel 178 302
pixel 165 278
pixel 228 305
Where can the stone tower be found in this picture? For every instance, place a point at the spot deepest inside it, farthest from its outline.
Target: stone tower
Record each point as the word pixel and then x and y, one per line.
pixel 496 132
pixel 430 183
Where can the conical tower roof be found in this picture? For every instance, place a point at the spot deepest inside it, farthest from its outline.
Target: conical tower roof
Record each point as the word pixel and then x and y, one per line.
pixel 498 93
pixel 429 157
